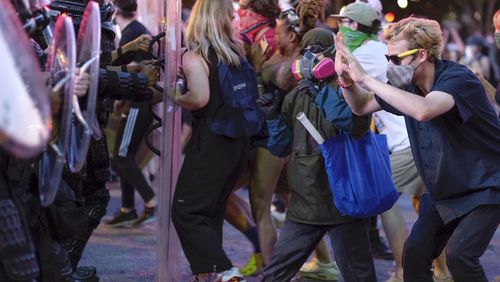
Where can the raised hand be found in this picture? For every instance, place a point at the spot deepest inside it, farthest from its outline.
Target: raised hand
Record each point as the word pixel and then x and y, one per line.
pixel 347 67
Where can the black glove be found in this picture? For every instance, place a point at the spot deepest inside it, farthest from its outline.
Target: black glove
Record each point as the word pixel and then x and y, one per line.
pixel 309 86
pixel 270 104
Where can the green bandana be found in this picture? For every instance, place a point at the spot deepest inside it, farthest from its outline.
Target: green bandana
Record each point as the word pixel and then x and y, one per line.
pixel 354 38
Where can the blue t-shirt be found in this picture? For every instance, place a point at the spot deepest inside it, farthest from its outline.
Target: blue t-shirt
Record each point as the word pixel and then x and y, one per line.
pixel 457 153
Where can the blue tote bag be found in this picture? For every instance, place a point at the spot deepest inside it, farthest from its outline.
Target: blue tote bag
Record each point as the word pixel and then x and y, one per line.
pixel 359 172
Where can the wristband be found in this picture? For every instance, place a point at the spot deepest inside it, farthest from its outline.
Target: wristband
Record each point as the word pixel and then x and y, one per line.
pixel 342 85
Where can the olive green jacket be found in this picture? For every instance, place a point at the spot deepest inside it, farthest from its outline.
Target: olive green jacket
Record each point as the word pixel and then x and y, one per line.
pixel 312 199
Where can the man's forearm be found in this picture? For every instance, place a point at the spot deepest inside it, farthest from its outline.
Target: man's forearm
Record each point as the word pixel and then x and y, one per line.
pixel 407 103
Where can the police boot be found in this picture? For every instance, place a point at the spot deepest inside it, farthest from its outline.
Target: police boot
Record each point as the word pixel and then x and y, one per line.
pixel 85 274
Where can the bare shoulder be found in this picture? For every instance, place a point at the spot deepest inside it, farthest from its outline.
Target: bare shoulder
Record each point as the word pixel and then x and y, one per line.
pixel 193 61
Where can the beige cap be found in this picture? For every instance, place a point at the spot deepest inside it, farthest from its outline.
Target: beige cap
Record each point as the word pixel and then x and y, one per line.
pixel 360 12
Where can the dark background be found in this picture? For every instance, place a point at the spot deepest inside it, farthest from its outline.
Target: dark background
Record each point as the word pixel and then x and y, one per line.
pixel 471 15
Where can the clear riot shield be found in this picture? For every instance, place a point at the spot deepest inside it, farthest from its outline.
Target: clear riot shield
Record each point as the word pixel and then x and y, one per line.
pixel 61 67
pixel 168 246
pixel 88 49
pixel 24 104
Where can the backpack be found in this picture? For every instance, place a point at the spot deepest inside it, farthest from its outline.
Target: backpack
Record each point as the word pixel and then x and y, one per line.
pixel 235 112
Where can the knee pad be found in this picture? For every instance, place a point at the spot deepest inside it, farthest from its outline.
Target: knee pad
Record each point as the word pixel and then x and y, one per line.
pixel 74 248
pixel 96 205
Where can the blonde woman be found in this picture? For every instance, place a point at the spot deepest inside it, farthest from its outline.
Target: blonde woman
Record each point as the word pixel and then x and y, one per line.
pixel 212 162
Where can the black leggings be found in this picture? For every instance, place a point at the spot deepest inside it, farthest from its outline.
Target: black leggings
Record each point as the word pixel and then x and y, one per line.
pixel 130 135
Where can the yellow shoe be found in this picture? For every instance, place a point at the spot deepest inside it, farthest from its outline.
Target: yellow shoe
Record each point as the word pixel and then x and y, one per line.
pixel 253 266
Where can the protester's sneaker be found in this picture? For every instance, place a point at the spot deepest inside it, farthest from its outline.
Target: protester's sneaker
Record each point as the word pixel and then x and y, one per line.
pixel 147 216
pixel 231 275
pixel 320 271
pixel 394 278
pixel 253 266
pixel 121 218
pixel 278 216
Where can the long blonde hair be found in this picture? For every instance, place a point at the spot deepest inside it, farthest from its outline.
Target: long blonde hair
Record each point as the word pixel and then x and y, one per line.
pixel 210 25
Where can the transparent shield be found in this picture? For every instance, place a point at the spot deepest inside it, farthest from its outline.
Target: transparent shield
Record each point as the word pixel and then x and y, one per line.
pixel 61 68
pixel 88 49
pixel 25 118
pixel 168 247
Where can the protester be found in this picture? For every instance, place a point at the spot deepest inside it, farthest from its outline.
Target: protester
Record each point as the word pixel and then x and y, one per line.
pixel 135 120
pixel 474 58
pixel 257 23
pixel 496 25
pixel 449 122
pixel 256 28
pixel 212 162
pixel 267 173
pixel 360 23
pixel 311 212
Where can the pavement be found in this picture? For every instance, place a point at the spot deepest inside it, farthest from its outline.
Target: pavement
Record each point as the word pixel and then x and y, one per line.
pixel 129 254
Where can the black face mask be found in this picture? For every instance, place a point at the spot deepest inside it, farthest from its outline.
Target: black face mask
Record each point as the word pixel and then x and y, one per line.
pixel 113 20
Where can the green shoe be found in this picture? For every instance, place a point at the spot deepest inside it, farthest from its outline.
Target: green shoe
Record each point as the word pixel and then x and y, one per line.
pixel 320 271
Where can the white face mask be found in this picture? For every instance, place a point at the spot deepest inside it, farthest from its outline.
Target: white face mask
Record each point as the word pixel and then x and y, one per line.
pixel 400 75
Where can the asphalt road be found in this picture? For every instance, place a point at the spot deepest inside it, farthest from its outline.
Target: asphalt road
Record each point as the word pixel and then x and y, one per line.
pixel 126 254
